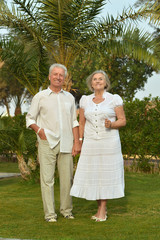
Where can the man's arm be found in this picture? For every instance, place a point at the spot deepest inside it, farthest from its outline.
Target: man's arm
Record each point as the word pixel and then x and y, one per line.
pixel 31 118
pixel 76 145
pixel 75 129
pixel 39 131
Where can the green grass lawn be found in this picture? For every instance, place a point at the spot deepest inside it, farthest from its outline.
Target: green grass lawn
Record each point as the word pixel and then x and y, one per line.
pixel 9 167
pixel 135 217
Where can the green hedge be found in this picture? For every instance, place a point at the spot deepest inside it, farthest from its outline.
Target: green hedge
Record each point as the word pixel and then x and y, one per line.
pixel 140 138
pixel 14 137
pixel 16 140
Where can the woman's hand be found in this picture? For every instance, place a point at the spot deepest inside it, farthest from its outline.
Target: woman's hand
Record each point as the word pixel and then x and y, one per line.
pixel 76 148
pixel 121 119
pixel 108 123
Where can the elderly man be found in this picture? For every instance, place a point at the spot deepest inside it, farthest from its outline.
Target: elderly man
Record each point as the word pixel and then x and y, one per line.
pixel 52 115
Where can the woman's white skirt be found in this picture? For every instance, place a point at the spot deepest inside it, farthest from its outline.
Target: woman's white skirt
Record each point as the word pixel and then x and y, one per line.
pixel 100 170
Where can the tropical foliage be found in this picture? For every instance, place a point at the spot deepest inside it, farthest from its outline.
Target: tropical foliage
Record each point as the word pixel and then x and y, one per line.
pixel 16 139
pixel 142 2
pixel 126 74
pixel 139 138
pixel 11 90
pixel 156 29
pixel 43 31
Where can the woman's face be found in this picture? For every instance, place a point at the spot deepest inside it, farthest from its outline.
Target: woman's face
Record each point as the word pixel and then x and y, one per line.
pixel 98 81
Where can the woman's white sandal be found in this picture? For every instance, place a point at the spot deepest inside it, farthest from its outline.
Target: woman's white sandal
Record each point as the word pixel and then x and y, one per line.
pixel 101 219
pixel 94 217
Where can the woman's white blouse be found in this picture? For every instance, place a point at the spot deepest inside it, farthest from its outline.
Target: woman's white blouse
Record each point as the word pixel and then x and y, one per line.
pixel 96 114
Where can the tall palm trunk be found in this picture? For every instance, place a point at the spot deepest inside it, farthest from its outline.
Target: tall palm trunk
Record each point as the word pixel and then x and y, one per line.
pixel 17 111
pixel 68 83
pixel 18 106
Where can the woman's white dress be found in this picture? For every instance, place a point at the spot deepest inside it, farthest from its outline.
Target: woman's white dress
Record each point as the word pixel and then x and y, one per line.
pixel 100 170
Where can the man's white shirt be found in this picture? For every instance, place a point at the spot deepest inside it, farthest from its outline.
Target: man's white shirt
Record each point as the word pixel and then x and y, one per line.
pixel 56 114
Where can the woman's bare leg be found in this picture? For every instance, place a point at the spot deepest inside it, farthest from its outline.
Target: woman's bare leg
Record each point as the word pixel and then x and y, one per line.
pixel 97 213
pixel 102 209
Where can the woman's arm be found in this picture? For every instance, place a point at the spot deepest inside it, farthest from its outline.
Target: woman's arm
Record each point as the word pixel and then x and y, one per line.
pixel 82 121
pixel 121 119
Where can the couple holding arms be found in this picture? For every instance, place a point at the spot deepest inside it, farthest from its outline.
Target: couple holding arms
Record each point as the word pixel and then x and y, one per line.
pixel 100 173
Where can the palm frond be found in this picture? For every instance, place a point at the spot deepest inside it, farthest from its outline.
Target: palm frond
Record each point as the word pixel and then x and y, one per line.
pixel 133 43
pixel 26 62
pixel 58 31
pixel 148 11
pixel 68 22
pixel 27 8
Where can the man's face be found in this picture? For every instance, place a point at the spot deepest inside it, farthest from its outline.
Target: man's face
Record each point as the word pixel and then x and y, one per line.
pixel 57 77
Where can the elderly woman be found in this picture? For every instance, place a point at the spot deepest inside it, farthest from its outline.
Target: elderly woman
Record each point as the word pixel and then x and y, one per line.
pixel 100 172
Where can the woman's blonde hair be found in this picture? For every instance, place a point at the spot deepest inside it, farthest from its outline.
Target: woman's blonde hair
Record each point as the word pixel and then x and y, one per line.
pixel 90 77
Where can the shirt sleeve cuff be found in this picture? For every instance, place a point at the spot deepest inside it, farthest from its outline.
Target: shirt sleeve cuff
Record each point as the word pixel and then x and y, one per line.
pixel 75 124
pixel 30 122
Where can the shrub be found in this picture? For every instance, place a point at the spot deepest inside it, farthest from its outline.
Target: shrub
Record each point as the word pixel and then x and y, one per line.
pixel 16 139
pixel 141 137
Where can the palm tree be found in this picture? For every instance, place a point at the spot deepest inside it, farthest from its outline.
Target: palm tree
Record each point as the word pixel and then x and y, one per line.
pixel 59 31
pixel 156 29
pixel 26 62
pixel 11 89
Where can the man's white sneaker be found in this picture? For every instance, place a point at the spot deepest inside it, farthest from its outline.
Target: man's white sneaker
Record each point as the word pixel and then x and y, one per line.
pixel 70 216
pixel 52 219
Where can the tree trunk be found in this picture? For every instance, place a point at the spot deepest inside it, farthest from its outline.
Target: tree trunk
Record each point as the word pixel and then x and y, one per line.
pixel 24 170
pixel 18 107
pixel 17 111
pixel 32 164
pixel 67 83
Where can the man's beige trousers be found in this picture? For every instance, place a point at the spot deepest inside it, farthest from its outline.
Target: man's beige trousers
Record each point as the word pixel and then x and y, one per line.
pixel 48 158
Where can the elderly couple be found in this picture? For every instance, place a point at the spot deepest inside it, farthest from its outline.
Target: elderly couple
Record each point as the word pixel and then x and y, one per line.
pixel 99 174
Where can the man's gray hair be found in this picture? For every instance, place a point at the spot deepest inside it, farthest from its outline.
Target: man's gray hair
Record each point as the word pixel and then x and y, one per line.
pixel 59 66
pixel 89 80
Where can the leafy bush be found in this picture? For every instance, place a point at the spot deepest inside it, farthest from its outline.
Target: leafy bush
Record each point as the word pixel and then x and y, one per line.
pixel 141 137
pixel 16 139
